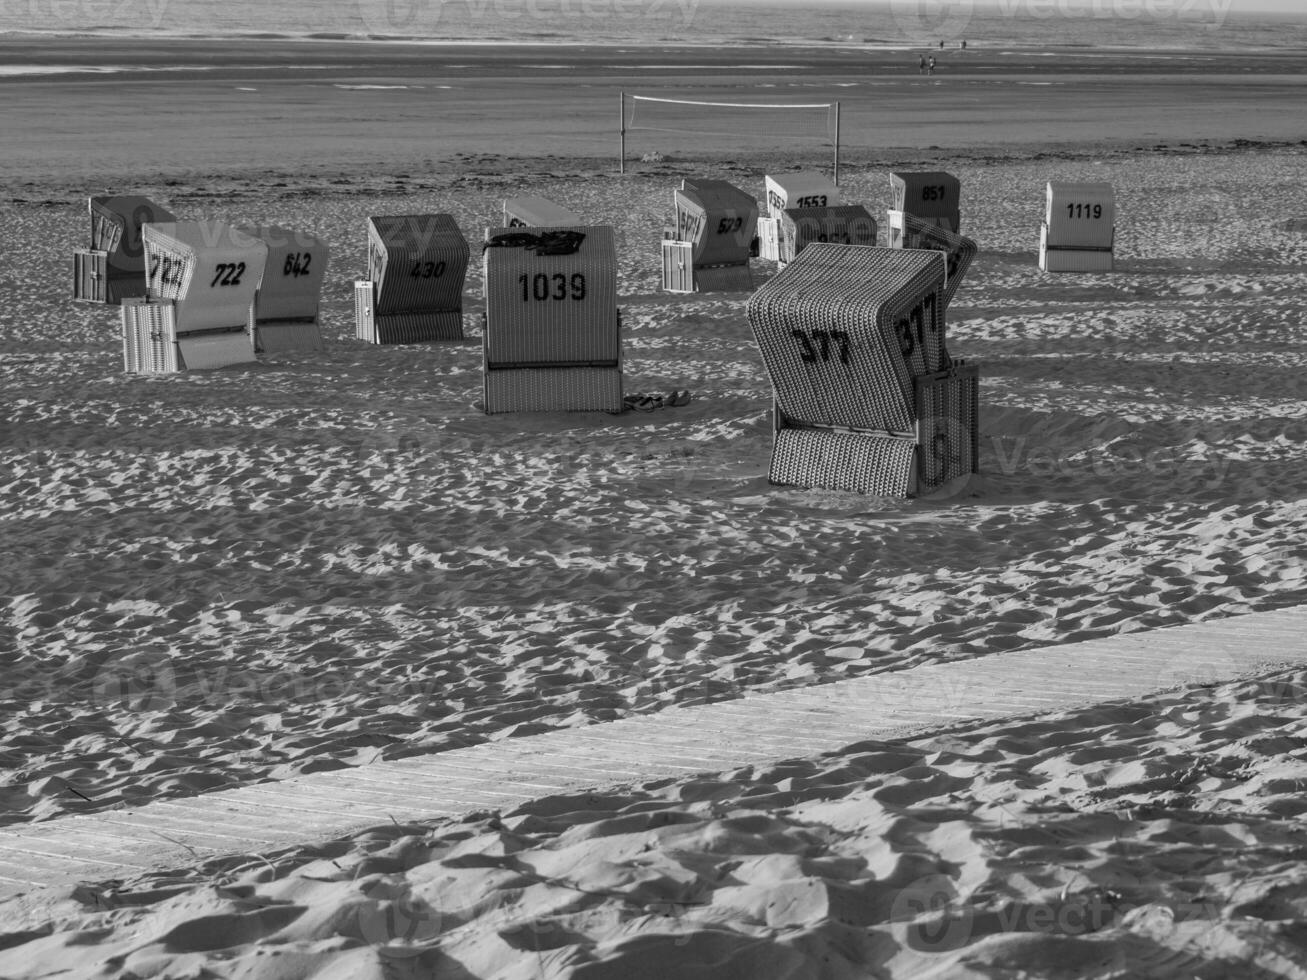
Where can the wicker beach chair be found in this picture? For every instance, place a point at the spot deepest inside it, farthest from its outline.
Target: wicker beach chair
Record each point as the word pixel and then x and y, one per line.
pixel 552 330
pixel 284 315
pixel 1079 229
pixel 414 291
pixel 908 231
pixel 716 224
pixel 845 224
pixel 200 278
pixel 113 268
pixel 932 195
pixel 796 190
pixel 866 399
pixel 537 212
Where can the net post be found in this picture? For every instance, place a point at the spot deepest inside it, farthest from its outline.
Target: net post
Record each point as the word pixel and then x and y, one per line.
pixel 835 178
pixel 621 129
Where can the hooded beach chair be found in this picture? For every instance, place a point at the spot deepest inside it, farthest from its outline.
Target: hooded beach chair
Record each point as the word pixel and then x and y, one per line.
pixel 284 315
pixel 866 398
pixel 200 280
pixel 414 291
pixel 931 195
pixel 716 225
pixel 1079 229
pixel 113 268
pixel 909 231
pixel 552 329
pixel 537 212
pixel 843 224
pixel 803 189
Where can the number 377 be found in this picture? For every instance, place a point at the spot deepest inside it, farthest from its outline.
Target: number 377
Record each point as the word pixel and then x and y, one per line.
pixel 820 345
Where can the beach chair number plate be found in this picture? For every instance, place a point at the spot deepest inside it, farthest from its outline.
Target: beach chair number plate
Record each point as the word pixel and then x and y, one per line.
pixel 728 226
pixel 934 193
pixel 297 264
pixel 227 274
pixel 775 202
pixel 912 328
pixel 543 286
pixel 1090 211
pixel 165 270
pixel 819 345
pixel 427 270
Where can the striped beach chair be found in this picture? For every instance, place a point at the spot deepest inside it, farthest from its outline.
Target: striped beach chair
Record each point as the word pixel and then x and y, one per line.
pixel 414 291
pixel 844 224
pixel 113 268
pixel 552 330
pixel 716 225
pixel 537 212
pixel 284 315
pixel 797 190
pixel 866 398
pixel 200 282
pixel 909 231
pixel 931 195
pixel 1079 229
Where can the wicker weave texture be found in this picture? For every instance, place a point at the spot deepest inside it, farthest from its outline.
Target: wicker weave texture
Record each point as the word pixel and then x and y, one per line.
pixel 544 310
pixel 1080 215
pixel 537 212
pixel 859 462
pixel 149 336
pixel 418 261
pixel 116 224
pixel 1054 259
pixel 211 269
pixel 799 190
pixel 909 231
pixel 720 220
pixel 418 328
pixel 91 276
pixel 844 329
pixel 931 194
pixel 846 224
pixel 571 389
pixel 948 425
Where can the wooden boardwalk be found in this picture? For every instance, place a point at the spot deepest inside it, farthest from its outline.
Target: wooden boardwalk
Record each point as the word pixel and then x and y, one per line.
pixel 761 728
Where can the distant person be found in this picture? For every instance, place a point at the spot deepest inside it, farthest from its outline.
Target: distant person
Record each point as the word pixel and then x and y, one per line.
pixel 964 45
pixel 941 45
pixel 930 65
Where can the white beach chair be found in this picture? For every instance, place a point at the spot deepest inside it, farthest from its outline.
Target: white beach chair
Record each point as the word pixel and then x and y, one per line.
pixel 866 399
pixel 932 195
pixel 844 224
pixel 716 225
pixel 909 231
pixel 537 212
pixel 113 268
pixel 552 331
pixel 1079 229
pixel 797 190
pixel 414 291
pixel 284 315
pixel 200 282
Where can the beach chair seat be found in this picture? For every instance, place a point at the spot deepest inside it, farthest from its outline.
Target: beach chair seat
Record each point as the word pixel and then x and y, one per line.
pixel 866 398
pixel 207 272
pixel 552 328
pixel 285 313
pixel 909 231
pixel 1078 233
pixel 715 226
pixel 417 264
pixel 537 212
pixel 931 195
pixel 113 267
pixel 845 224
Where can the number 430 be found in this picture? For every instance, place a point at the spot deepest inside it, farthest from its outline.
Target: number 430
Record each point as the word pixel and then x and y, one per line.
pixel 815 345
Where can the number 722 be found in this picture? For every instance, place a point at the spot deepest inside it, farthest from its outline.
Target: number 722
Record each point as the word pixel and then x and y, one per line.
pixel 815 345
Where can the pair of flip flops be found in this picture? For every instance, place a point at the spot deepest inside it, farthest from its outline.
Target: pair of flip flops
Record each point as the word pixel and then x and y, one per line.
pixel 647 403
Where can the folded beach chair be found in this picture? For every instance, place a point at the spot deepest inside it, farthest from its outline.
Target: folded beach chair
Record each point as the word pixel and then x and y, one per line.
pixel 909 231
pixel 716 224
pixel 537 212
pixel 1079 229
pixel 866 398
pixel 797 190
pixel 931 195
pixel 844 224
pixel 552 330
pixel 414 291
pixel 200 279
pixel 113 268
pixel 284 315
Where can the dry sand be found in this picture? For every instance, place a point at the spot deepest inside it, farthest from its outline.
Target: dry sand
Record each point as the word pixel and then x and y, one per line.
pixel 216 578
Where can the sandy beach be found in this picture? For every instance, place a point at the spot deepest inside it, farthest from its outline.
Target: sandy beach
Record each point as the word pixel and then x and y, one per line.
pixel 218 578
